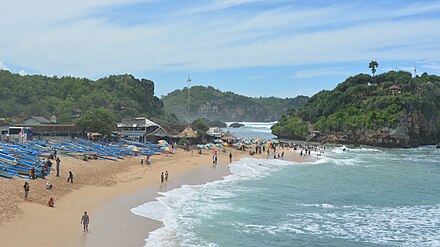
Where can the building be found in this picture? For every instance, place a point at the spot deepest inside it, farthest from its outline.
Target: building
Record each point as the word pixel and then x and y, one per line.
pixel 140 129
pixel 215 132
pixel 36 120
pixel 394 89
pixel 53 119
pixel 52 131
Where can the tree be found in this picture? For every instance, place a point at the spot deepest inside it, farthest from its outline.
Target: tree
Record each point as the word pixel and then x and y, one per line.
pixel 98 120
pixel 200 125
pixel 373 65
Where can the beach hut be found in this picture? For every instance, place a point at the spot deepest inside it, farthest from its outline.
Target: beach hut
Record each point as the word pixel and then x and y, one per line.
pixel 228 137
pixel 394 89
pixel 188 132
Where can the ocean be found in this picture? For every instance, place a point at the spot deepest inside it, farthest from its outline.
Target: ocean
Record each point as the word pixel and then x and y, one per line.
pixel 365 196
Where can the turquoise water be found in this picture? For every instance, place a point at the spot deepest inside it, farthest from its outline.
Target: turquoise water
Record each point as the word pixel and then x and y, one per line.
pixel 252 130
pixel 364 197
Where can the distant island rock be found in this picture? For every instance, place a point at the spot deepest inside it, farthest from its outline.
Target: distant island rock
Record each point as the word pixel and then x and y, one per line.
pixel 438 145
pixel 236 125
pixel 213 104
pixel 393 109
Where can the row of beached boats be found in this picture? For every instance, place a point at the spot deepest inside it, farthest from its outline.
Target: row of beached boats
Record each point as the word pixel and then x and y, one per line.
pixel 17 159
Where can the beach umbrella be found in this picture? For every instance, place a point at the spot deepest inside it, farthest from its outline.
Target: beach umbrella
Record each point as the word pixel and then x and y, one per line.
pixel 162 143
pixel 167 149
pixel 201 147
pixel 210 145
pixel 218 145
pixel 96 134
pixel 225 144
pixel 218 141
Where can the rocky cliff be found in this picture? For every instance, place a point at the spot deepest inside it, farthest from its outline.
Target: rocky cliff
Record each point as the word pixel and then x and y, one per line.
pixel 212 104
pixel 391 110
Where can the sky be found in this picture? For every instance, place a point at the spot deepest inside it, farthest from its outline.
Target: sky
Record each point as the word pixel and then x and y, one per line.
pixel 280 48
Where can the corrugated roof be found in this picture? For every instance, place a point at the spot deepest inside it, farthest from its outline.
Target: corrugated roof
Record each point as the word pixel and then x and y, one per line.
pixel 136 122
pixel 40 119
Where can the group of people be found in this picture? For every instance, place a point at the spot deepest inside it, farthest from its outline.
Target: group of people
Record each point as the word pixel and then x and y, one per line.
pixel 278 155
pixel 164 177
pixel 147 160
pixel 49 186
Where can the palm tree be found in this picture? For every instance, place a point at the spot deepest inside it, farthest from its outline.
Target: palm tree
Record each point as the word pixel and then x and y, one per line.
pixel 373 65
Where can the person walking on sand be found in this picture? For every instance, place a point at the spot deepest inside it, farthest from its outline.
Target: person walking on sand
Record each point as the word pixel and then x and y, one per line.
pixel 70 178
pixel 230 157
pixel 26 187
pixel 161 178
pixel 58 166
pixel 85 220
pixel 166 176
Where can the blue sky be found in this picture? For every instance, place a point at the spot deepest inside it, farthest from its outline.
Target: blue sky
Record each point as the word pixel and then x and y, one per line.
pixel 253 47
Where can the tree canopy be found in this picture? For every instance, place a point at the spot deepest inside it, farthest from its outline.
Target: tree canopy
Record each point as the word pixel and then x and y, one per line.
pixel 37 95
pixel 366 102
pixel 99 120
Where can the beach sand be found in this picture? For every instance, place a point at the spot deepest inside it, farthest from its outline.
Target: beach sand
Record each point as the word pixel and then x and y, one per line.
pixel 107 190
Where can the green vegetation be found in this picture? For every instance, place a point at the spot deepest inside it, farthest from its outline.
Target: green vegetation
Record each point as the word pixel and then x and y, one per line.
pixel 200 125
pixel 364 102
pixel 97 120
pixel 292 127
pixel 210 103
pixel 36 95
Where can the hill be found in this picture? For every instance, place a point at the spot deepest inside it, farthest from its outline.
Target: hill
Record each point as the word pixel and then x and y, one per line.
pixel 391 109
pixel 36 95
pixel 212 104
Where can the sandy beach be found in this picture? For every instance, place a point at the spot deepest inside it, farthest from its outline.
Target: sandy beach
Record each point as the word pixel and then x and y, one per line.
pixel 107 190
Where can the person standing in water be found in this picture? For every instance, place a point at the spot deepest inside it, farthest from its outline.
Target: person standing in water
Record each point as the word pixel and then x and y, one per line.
pixel 166 176
pixel 85 220
pixel 161 178
pixel 230 157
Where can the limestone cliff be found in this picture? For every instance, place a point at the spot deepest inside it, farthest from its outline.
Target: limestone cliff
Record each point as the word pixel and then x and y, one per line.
pixel 212 104
pixel 391 110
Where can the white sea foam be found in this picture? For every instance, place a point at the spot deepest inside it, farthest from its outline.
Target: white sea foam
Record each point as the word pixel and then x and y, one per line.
pixel 400 226
pixel 343 149
pixel 175 208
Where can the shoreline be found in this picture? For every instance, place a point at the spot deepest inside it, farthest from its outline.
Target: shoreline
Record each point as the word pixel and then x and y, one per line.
pixel 40 225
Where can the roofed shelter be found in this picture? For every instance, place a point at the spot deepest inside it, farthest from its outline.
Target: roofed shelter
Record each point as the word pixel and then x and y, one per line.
pixel 188 132
pixel 139 129
pixel 394 89
pixel 36 120
pixel 228 137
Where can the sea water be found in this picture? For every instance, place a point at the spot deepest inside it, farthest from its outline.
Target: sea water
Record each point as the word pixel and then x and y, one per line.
pixel 361 197
pixel 252 130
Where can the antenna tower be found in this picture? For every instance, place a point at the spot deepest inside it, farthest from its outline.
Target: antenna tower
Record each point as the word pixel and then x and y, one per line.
pixel 189 98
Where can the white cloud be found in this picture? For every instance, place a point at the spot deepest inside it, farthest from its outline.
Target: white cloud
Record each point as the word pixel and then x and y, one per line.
pixel 332 71
pixel 22 72
pixel 64 37
pixel 3 66
pixel 432 66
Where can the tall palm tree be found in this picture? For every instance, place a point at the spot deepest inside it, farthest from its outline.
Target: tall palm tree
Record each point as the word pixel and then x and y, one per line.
pixel 373 65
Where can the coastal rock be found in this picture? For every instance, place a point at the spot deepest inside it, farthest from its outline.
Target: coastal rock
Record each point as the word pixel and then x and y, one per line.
pixel 236 125
pixel 438 145
pixel 411 131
